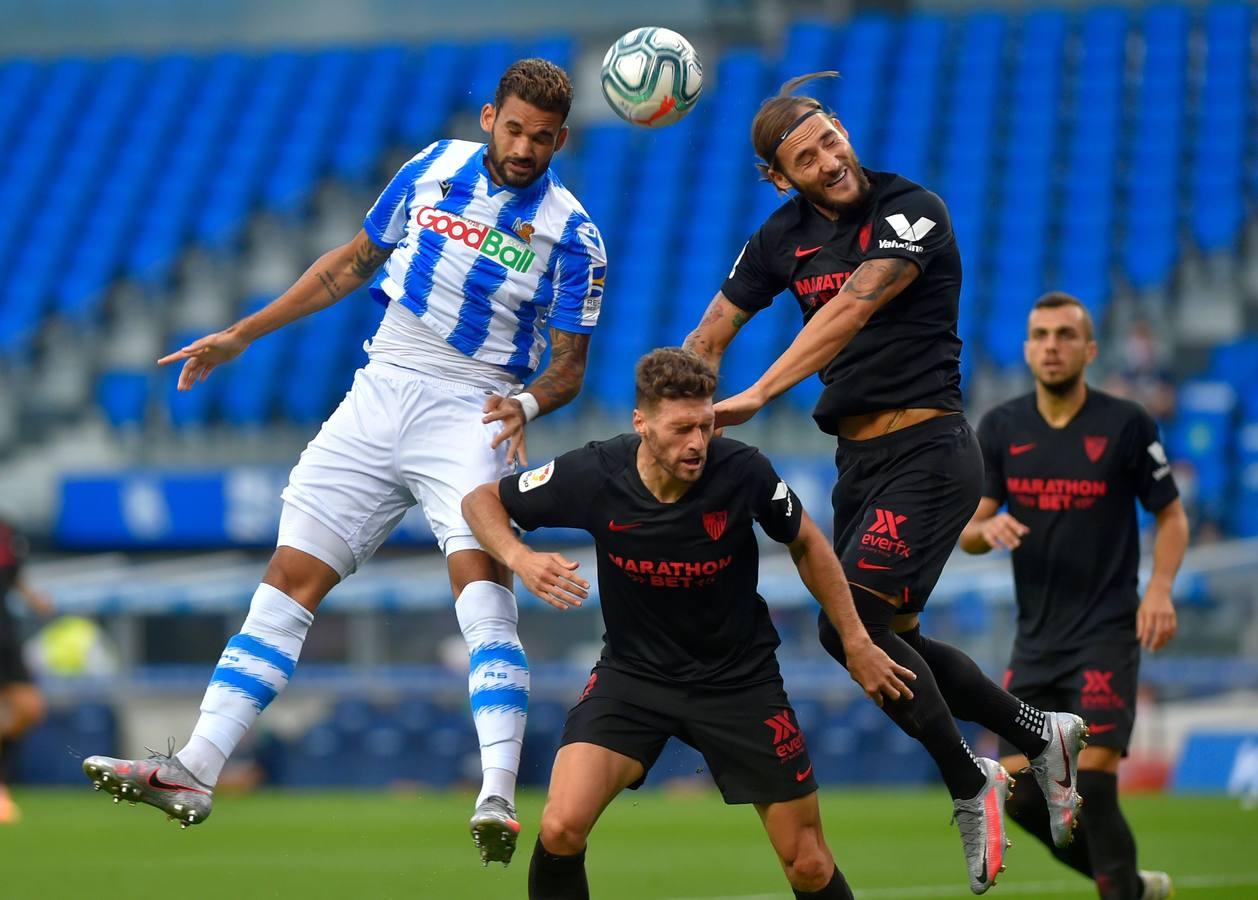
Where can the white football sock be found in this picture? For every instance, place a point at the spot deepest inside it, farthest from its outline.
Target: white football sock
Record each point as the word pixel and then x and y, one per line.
pixel 255 666
pixel 497 682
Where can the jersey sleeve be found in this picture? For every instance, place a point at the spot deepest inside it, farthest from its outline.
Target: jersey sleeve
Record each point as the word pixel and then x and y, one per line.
pixel 1150 469
pixel 385 222
pixel 752 282
pixel 993 458
pixel 580 270
pixel 556 495
pixel 915 226
pixel 774 504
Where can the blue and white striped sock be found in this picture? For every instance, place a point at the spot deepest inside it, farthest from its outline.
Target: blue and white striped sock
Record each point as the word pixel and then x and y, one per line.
pixel 255 666
pixel 497 682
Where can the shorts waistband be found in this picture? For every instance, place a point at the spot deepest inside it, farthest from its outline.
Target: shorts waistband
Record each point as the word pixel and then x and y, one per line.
pixel 916 432
pixel 451 387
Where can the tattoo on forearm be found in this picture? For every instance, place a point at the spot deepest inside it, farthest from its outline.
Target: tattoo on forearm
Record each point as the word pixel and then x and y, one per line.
pixel 329 284
pixel 872 280
pixel 367 258
pixel 739 319
pixel 563 376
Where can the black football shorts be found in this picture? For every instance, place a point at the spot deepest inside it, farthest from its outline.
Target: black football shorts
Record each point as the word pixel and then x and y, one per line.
pixel 749 736
pixel 900 504
pixel 1097 682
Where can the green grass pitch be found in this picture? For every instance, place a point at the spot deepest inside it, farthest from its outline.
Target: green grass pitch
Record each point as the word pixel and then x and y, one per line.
pixel 653 846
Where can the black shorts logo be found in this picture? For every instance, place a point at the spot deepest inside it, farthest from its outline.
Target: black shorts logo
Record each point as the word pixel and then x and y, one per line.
pixel 589 686
pixel 788 740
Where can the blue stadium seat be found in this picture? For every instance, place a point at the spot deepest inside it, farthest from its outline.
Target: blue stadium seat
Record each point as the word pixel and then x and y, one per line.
pixel 1243 519
pixel 1202 434
pixel 123 396
pixel 41 754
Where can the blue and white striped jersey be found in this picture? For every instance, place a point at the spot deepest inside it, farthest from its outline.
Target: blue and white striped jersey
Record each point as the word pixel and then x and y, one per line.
pixel 486 267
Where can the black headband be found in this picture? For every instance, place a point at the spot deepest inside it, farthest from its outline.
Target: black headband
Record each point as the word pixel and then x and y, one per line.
pixel 773 151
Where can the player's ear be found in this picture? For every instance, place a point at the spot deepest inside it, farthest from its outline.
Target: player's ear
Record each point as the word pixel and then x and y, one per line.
pixel 487 116
pixel 839 125
pixel 780 181
pixel 639 422
pixel 1090 353
pixel 561 138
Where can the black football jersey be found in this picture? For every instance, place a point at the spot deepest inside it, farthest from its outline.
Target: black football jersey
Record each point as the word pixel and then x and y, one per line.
pixel 908 354
pixel 677 581
pixel 1076 489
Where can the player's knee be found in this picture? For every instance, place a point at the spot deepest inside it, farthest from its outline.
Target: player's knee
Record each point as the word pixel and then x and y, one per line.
pixel 562 834
pixel 27 707
pixel 811 867
pixel 300 575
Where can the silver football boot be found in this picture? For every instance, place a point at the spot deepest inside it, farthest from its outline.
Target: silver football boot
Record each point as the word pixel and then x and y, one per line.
pixel 1056 771
pixel 982 824
pixel 161 781
pixel 494 830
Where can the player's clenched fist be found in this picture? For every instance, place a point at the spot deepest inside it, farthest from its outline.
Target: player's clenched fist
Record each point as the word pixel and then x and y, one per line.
pixel 1003 530
pixel 551 576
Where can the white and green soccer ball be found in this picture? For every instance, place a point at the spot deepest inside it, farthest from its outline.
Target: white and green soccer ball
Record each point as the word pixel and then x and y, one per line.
pixel 652 77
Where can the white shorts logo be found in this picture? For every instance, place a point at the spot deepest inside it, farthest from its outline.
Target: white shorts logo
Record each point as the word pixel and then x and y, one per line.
pixel 536 477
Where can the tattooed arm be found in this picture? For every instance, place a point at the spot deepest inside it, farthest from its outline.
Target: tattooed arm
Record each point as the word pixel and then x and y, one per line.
pixel 716 329
pixel 558 384
pixel 873 284
pixel 334 275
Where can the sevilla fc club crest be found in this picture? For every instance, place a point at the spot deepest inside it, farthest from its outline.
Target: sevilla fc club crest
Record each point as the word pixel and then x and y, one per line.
pixel 714 524
pixel 863 236
pixel 1094 446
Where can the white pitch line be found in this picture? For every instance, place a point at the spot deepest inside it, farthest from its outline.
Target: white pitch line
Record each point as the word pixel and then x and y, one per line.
pixel 1042 887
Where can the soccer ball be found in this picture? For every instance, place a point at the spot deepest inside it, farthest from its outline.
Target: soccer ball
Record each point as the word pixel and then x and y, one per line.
pixel 652 77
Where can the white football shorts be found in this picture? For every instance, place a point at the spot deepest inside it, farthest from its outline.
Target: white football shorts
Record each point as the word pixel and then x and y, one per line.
pixel 399 437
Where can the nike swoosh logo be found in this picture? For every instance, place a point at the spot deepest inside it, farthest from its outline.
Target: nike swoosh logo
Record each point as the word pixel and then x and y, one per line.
pixel 155 782
pixel 614 527
pixel 806 251
pixel 1019 449
pixel 800 776
pixel 862 563
pixel 1065 757
pixel 1101 729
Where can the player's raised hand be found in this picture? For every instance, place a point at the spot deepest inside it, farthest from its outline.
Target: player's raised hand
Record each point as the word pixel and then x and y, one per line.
pixel 203 355
pixel 553 577
pixel 737 409
pixel 1003 530
pixel 510 413
pixel 1156 622
pixel 880 676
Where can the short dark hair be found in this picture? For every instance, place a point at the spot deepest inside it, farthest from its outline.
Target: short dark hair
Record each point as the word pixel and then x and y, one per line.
pixel 538 82
pixel 776 114
pixel 670 373
pixel 1058 299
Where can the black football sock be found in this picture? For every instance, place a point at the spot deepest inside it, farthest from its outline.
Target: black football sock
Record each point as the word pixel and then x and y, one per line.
pixel 974 697
pixel 1027 807
pixel 1110 842
pixel 837 889
pixel 554 877
pixel 925 717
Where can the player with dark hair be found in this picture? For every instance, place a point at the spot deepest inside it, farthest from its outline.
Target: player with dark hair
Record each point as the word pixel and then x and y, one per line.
pixel 689 649
pixel 483 251
pixel 1070 462
pixel 21 702
pixel 871 259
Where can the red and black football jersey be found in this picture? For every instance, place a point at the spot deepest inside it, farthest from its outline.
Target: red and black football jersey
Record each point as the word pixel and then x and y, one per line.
pixel 1076 489
pixel 908 354
pixel 677 581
